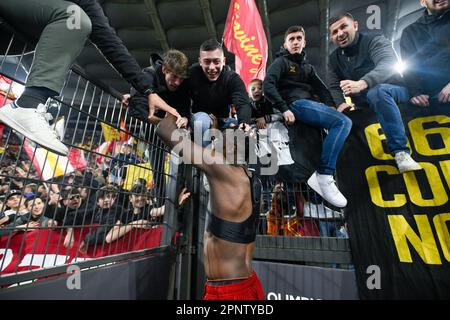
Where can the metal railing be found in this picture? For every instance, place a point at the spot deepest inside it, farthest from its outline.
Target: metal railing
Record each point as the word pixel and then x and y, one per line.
pixel 109 200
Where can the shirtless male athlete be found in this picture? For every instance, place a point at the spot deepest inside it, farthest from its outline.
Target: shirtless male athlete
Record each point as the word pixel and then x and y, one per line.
pixel 235 198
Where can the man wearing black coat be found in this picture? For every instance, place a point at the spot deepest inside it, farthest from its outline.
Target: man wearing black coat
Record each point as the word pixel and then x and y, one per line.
pixel 425 48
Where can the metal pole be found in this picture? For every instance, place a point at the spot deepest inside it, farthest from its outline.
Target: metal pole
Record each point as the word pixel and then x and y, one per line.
pixel 262 6
pixel 324 7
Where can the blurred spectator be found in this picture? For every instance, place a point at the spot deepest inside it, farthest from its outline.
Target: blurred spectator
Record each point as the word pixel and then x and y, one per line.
pixel 30 189
pixel 15 204
pixel 105 215
pixel 142 213
pixel 31 219
pixel 121 161
pixel 286 217
pixel 330 221
pixel 261 107
pixel 72 213
pixel 4 186
pixel 42 189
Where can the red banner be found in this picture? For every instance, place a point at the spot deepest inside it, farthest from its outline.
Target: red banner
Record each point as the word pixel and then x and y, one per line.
pixel 43 248
pixel 245 37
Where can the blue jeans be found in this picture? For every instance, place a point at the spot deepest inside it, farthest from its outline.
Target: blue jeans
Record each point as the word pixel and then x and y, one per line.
pixel 383 100
pixel 337 124
pixel 328 228
pixel 200 122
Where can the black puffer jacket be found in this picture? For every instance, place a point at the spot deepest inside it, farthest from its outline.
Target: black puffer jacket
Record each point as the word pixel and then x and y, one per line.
pixel 289 78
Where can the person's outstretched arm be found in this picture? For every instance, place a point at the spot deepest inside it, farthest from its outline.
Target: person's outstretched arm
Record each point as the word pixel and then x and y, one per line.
pixel 178 140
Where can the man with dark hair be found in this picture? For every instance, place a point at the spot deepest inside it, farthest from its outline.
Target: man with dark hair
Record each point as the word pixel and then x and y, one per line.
pixel 425 50
pixel 15 203
pixel 61 28
pixel 291 84
pixel 142 214
pixel 235 200
pixel 105 215
pixel 214 87
pixel 363 68
pixel 73 213
pixel 169 91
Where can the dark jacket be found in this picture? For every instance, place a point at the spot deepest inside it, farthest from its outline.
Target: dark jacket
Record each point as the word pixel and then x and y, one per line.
pixel 111 46
pixel 370 57
pixel 23 219
pixel 289 78
pixel 216 97
pixel 128 216
pixel 179 99
pixel 106 218
pixel 425 47
pixel 261 108
pixel 66 216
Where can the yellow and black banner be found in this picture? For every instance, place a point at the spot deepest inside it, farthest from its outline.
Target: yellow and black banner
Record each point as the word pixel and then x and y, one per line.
pixel 399 224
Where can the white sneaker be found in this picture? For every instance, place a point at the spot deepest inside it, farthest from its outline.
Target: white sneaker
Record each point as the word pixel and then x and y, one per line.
pixel 33 124
pixel 319 211
pixel 325 185
pixel 405 163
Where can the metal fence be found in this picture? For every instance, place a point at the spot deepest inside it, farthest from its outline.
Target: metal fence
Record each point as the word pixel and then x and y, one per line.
pixel 296 227
pixel 110 199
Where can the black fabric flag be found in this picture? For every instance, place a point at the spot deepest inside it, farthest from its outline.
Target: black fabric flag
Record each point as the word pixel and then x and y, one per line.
pixel 399 223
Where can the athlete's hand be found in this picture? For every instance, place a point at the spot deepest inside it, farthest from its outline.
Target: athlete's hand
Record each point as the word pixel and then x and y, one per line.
pixel 182 122
pixel 126 99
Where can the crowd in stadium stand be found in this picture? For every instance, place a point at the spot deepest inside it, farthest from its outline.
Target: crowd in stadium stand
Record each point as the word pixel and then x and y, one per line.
pixel 92 196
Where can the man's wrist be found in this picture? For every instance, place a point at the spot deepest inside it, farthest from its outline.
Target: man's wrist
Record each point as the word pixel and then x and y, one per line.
pixel 363 84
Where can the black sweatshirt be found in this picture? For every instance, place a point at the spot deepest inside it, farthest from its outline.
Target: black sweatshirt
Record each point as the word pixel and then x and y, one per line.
pixel 179 99
pixel 289 78
pixel 216 97
pixel 104 37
